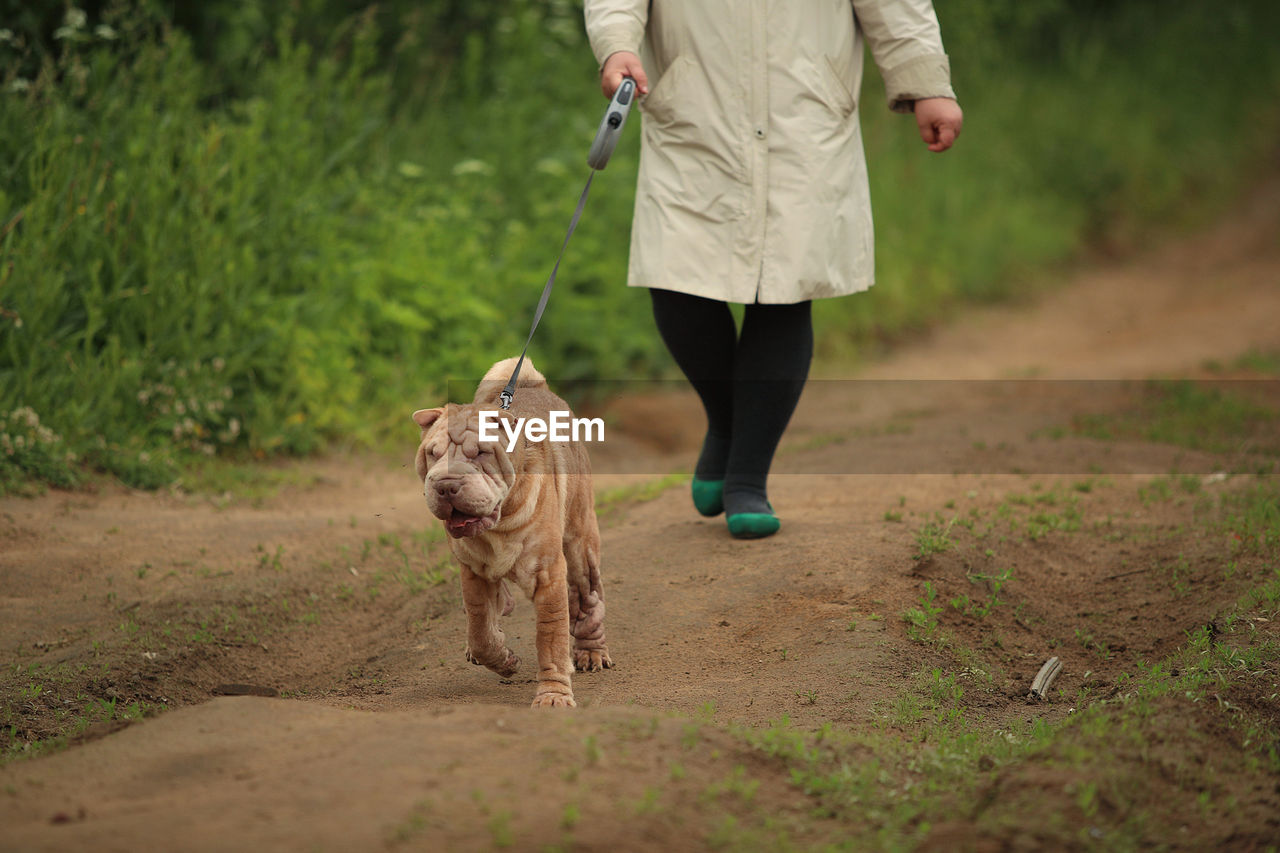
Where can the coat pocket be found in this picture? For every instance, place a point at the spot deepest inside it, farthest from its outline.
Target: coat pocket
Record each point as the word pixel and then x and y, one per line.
pixel 663 101
pixel 839 98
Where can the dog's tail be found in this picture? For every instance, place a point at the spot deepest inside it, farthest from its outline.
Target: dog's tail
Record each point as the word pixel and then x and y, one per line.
pixel 496 379
pixel 529 375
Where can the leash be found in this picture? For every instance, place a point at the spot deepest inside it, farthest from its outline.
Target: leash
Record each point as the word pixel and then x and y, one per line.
pixel 597 158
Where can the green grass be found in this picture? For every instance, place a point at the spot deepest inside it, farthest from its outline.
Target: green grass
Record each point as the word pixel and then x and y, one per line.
pixel 75 725
pixel 1263 361
pixel 1191 734
pixel 1195 415
pixel 610 500
pixel 934 537
pixel 295 233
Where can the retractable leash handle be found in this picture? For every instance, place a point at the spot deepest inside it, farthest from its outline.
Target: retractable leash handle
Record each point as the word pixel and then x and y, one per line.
pixel 610 130
pixel 607 136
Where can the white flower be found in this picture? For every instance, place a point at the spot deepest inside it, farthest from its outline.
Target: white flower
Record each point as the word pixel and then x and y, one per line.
pixel 104 32
pixel 75 18
pixel 551 166
pixel 472 167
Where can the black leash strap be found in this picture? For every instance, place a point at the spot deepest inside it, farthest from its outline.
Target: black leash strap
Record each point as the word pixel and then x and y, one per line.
pixel 607 136
pixel 509 392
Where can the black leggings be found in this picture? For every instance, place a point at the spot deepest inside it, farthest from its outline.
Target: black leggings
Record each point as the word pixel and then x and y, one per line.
pixel 749 384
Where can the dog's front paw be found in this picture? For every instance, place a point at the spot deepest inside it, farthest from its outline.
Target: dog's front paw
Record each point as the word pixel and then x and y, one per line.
pixel 554 700
pixel 591 660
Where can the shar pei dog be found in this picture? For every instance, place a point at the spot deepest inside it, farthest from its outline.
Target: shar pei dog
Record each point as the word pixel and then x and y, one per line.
pixel 521 511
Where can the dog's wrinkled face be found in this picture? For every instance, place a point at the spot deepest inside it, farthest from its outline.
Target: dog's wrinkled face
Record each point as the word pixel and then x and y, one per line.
pixel 464 479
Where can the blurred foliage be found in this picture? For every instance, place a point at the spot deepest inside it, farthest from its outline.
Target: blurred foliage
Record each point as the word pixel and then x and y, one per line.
pixel 248 227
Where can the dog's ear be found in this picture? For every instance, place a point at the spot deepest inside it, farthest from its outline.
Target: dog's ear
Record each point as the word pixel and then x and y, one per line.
pixel 426 417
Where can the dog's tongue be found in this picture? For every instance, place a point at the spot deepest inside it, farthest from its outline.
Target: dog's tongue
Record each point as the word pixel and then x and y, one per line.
pixel 459 520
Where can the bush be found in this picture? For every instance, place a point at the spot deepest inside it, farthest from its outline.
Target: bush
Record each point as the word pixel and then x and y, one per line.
pixel 271 227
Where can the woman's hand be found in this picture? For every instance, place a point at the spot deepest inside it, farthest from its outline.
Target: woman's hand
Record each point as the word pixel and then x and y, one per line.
pixel 619 65
pixel 939 120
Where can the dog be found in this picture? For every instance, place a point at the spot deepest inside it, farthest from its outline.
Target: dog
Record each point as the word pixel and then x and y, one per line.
pixel 519 511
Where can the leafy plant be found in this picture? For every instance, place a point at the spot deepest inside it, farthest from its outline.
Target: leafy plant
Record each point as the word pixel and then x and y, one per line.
pixel 995 583
pixel 934 537
pixel 922 621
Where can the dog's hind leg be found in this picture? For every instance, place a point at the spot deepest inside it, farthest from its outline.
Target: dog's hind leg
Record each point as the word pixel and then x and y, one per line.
pixel 485 600
pixel 586 602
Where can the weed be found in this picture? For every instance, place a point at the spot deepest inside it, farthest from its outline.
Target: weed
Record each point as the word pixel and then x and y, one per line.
pixel 934 537
pixel 500 829
pixel 593 753
pixel 611 499
pixel 738 784
pixel 1087 641
pixel 415 823
pixel 995 583
pixel 648 802
pixel 270 561
pixel 922 621
pixel 1179 574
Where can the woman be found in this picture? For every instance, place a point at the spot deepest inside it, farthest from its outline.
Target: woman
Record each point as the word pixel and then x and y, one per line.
pixel 753 189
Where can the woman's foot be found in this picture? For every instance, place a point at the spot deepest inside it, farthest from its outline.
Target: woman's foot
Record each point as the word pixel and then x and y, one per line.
pixel 708 496
pixel 753 525
pixel 750 515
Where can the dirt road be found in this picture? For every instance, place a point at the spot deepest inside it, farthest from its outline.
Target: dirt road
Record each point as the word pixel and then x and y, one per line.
pixel 336 594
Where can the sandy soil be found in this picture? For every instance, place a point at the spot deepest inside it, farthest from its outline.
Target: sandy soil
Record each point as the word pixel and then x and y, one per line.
pixel 335 600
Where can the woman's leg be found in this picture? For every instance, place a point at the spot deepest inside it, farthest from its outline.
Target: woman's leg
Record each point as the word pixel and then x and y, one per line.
pixel 769 371
pixel 701 336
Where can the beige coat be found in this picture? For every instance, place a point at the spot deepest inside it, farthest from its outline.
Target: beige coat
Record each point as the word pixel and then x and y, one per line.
pixel 753 184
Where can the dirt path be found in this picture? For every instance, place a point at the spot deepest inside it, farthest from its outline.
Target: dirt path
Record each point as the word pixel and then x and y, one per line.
pixel 338 595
